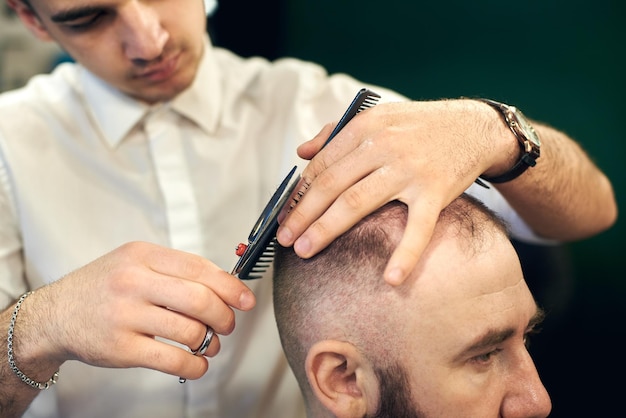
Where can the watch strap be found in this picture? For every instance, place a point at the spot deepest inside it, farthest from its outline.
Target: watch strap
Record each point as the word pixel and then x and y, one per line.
pixel 514 172
pixel 526 160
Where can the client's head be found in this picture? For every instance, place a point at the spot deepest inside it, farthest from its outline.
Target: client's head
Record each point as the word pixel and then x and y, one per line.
pixel 449 342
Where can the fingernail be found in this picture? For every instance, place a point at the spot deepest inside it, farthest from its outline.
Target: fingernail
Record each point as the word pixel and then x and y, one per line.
pixel 246 301
pixel 302 246
pixel 284 236
pixel 394 276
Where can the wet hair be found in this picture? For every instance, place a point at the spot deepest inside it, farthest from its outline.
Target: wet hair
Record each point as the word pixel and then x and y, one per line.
pixel 338 293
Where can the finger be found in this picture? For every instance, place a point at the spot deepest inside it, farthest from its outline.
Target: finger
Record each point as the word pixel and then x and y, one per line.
pixel 167 358
pixel 193 299
pixel 310 148
pixel 344 143
pixel 207 340
pixel 173 326
pixel 417 234
pixel 319 192
pixel 192 267
pixel 339 150
pixel 350 207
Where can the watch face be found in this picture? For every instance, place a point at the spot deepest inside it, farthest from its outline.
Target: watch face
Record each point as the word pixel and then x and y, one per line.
pixel 527 128
pixel 526 136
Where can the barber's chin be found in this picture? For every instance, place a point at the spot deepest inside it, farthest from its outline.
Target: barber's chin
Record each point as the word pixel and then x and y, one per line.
pixel 163 91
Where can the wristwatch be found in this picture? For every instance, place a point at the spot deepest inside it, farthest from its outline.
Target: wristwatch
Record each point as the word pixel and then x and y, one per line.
pixel 525 134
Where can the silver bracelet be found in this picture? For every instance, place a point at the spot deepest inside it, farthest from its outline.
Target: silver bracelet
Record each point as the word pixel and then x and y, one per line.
pixel 30 382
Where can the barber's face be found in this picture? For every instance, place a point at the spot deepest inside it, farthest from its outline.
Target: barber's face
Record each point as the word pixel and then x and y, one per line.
pixel 463 336
pixel 148 49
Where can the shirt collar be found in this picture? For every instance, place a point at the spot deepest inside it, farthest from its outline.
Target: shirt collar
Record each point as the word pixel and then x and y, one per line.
pixel 117 113
pixel 202 102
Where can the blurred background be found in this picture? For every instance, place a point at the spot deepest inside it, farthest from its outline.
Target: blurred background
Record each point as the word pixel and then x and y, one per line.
pixel 560 62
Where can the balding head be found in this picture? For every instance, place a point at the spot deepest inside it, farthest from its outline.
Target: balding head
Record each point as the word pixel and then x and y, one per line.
pixel 340 294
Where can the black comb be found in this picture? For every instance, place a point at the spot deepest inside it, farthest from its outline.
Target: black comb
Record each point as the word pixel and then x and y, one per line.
pixel 257 255
pixel 363 100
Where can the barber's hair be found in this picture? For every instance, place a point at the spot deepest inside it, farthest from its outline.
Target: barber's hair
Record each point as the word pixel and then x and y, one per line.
pixel 338 294
pixel 27 4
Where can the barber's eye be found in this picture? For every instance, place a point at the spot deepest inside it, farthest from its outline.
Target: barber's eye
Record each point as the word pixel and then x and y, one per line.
pixel 85 22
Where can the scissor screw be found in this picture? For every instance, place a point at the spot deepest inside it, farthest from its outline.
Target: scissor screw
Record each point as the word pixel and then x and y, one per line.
pixel 241 248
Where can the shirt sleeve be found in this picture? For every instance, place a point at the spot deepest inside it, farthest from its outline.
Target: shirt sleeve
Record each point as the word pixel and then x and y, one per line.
pixel 518 228
pixel 12 282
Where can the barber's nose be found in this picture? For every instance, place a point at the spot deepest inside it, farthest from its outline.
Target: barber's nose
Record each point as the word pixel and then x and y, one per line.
pixel 143 37
pixel 526 397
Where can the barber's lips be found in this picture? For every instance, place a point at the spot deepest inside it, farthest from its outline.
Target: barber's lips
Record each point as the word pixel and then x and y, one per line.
pixel 161 71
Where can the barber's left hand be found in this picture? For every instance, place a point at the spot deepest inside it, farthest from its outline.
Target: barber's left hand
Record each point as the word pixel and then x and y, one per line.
pixel 424 154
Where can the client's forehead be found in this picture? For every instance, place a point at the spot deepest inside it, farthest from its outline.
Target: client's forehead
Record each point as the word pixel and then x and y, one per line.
pixel 454 292
pixel 451 270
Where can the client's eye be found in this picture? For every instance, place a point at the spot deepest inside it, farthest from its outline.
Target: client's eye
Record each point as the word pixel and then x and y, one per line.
pixel 486 357
pixel 531 332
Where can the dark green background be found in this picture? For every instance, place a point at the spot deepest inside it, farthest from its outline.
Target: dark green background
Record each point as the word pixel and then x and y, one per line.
pixel 561 62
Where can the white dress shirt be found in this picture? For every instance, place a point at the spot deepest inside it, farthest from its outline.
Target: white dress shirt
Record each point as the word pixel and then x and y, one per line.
pixel 84 169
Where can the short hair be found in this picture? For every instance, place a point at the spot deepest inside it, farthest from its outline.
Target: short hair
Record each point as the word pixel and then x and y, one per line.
pixel 336 293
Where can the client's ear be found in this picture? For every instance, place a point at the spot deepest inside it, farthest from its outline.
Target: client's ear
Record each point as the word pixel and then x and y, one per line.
pixel 30 19
pixel 342 379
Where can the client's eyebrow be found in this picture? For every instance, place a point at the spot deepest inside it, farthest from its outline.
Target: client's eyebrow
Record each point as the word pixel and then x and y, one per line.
pixel 74 14
pixel 498 336
pixel 488 339
pixel 536 319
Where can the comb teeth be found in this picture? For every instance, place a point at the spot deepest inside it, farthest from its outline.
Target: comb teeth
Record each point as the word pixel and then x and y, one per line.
pixel 264 261
pixel 369 101
pixel 267 256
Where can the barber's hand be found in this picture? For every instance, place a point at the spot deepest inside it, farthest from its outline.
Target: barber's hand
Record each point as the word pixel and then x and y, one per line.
pixel 109 312
pixel 424 154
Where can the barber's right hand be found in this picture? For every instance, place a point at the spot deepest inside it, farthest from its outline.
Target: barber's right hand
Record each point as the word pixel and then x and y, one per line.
pixel 109 312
